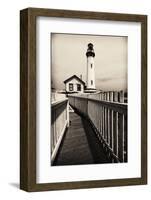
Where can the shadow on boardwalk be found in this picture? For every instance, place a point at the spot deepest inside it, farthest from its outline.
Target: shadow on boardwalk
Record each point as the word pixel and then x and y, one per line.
pixel 80 144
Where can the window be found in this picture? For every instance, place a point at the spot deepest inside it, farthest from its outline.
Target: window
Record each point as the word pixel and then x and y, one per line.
pixel 91 82
pixel 91 65
pixel 78 87
pixel 70 87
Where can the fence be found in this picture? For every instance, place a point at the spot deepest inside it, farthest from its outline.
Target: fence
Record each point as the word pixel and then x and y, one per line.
pixel 108 114
pixel 59 123
pixel 57 96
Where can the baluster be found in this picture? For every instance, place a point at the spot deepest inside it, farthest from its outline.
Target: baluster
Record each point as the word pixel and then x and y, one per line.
pixel 100 96
pixel 52 130
pixel 100 119
pixel 55 127
pixel 103 129
pixel 125 139
pixel 121 130
pixel 105 123
pixel 121 137
pixel 108 121
pixel 55 136
pixel 111 122
pixel 58 123
pixel 115 125
pixel 105 136
pixel 94 113
pixel 111 96
pixel 121 98
pixel 97 107
pixel 103 96
pixel 107 96
pixel 97 116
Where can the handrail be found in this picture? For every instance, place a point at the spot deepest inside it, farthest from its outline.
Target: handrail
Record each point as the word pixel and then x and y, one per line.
pixel 116 106
pixel 57 103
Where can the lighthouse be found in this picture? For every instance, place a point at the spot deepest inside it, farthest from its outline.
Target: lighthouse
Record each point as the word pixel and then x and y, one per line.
pixel 90 78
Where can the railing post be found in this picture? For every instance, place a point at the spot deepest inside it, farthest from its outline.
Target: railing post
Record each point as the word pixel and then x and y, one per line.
pixel 125 139
pixel 87 104
pixel 121 130
pixel 105 119
pixel 100 96
pixel 121 137
pixel 115 117
pixel 108 120
pixel 111 122
pixel 111 96
pixel 121 98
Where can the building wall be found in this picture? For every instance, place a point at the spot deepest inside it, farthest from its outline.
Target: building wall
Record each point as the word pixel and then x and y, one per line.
pixel 74 81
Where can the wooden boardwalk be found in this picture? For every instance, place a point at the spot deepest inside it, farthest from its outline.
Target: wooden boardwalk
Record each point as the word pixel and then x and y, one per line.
pixel 80 144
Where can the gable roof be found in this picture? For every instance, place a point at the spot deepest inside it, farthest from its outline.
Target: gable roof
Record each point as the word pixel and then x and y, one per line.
pixel 76 77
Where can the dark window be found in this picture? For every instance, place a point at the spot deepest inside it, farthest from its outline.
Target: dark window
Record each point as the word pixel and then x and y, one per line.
pixel 78 87
pixel 70 87
pixel 91 65
pixel 91 82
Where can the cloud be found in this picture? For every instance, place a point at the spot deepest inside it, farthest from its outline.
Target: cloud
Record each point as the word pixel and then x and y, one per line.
pixel 106 79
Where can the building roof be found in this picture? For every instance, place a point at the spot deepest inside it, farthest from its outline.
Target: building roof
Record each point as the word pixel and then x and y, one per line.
pixel 76 77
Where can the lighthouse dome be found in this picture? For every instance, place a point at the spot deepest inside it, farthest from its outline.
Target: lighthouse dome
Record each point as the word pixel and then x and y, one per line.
pixel 90 50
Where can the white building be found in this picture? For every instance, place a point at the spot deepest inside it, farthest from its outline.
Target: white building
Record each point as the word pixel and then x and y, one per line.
pixel 74 85
pixel 90 78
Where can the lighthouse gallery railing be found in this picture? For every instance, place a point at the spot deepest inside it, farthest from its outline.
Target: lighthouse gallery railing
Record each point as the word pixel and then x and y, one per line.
pixel 109 119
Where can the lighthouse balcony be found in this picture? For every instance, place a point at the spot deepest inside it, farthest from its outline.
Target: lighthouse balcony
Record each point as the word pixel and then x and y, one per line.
pixel 90 90
pixel 90 53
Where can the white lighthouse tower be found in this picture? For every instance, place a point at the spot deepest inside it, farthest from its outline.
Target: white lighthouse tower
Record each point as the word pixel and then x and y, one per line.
pixel 90 79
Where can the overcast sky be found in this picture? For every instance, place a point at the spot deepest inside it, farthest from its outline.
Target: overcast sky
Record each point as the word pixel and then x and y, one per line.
pixel 69 58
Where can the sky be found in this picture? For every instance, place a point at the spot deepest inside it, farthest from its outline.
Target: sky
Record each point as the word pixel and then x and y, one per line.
pixel 68 54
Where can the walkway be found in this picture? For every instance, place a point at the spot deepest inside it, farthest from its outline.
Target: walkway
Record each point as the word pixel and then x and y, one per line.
pixel 80 145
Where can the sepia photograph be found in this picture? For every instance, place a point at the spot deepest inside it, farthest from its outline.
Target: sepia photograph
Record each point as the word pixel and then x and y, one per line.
pixel 89 99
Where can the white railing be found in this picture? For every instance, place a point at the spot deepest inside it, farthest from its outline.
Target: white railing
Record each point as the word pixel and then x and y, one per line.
pixel 59 123
pixel 57 97
pixel 107 113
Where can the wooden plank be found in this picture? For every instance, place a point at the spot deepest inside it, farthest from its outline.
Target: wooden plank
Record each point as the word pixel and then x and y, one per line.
pixel 80 145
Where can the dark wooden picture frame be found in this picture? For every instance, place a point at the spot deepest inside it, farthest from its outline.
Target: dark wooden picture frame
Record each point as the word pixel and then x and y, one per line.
pixel 28 98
